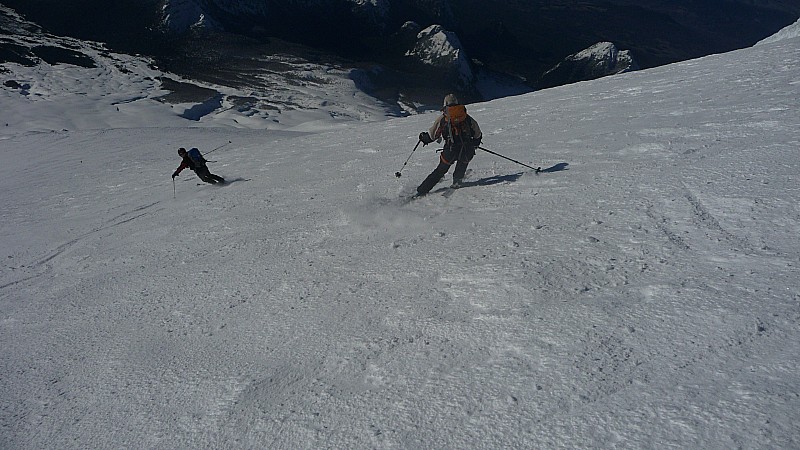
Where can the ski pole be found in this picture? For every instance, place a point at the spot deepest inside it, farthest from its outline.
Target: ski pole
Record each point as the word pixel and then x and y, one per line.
pixel 398 174
pixel 173 187
pixel 223 145
pixel 537 169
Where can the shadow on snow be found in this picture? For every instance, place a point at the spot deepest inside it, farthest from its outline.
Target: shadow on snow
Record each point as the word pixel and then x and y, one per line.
pixel 556 168
pixel 233 180
pixel 497 179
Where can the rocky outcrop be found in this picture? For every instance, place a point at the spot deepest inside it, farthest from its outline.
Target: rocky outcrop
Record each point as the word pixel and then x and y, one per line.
pixel 441 50
pixel 597 61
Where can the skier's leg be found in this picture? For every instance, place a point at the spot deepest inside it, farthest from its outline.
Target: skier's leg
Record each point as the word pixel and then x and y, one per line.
pixel 461 165
pixel 433 178
pixel 461 169
pixel 205 175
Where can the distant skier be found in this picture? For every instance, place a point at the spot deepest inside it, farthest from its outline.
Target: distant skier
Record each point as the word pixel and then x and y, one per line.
pixel 194 161
pixel 462 136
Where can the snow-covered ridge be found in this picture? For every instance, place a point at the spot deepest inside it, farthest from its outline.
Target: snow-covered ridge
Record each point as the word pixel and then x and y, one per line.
pixel 12 22
pixel 789 32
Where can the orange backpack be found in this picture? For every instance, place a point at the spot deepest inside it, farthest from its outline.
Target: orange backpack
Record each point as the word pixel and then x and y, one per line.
pixel 458 122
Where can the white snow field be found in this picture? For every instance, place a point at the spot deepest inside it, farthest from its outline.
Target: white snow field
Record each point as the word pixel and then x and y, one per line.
pixel 642 292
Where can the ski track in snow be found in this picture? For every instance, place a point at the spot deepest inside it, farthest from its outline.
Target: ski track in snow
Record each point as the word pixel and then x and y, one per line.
pixel 640 292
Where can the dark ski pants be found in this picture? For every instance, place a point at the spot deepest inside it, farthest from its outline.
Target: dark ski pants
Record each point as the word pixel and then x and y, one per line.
pixel 462 161
pixel 204 174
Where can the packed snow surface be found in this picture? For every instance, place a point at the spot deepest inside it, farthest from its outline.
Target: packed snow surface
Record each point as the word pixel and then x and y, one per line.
pixel 641 292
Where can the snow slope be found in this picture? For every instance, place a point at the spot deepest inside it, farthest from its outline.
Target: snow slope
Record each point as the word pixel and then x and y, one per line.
pixel 642 292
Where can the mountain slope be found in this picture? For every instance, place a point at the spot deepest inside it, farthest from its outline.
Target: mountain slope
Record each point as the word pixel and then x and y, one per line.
pixel 522 39
pixel 94 87
pixel 641 292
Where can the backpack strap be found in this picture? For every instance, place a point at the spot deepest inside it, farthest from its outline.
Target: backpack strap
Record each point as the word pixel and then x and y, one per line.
pixel 457 118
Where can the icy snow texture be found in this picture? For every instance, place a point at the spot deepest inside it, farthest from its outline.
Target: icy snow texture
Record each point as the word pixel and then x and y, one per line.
pixel 642 292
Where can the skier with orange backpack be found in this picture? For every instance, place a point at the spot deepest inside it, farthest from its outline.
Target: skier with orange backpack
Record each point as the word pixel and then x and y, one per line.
pixel 462 136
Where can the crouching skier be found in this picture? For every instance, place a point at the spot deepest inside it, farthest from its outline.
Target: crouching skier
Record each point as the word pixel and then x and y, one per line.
pixel 194 161
pixel 462 136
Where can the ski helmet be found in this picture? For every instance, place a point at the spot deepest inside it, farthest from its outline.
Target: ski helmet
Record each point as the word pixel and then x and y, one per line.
pixel 450 100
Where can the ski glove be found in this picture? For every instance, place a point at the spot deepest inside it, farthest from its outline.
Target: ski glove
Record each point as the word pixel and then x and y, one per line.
pixel 175 175
pixel 476 142
pixel 425 138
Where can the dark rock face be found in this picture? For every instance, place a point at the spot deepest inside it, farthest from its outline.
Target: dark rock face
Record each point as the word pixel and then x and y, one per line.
pixel 29 51
pixel 15 53
pixel 58 55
